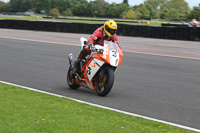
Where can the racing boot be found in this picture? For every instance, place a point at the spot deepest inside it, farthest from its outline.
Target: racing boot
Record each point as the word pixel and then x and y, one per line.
pixel 76 65
pixel 81 56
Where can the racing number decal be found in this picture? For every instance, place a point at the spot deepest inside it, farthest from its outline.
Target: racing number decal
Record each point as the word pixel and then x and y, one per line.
pixel 89 68
pixel 89 71
pixel 114 53
pixel 116 62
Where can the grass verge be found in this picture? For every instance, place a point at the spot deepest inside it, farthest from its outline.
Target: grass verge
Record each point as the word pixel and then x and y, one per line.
pixel 28 111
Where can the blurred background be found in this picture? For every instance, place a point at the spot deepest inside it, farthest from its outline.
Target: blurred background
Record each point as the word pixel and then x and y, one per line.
pixel 158 10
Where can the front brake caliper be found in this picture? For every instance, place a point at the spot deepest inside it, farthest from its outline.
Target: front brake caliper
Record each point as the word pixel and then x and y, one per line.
pixel 103 82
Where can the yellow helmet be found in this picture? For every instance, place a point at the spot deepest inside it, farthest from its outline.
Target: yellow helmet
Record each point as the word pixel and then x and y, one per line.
pixel 110 28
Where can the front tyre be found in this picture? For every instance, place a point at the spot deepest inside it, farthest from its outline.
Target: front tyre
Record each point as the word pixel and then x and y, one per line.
pixel 106 88
pixel 71 80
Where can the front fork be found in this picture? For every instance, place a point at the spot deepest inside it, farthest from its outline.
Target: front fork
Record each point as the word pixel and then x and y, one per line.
pixel 71 60
pixel 71 63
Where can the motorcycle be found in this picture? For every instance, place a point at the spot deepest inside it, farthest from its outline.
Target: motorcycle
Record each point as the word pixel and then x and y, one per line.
pixel 97 69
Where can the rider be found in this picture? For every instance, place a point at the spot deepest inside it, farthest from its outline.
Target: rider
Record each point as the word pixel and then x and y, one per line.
pixel 106 32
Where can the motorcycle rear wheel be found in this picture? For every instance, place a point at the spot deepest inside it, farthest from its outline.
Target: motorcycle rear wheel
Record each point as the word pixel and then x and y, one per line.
pixel 71 81
pixel 106 88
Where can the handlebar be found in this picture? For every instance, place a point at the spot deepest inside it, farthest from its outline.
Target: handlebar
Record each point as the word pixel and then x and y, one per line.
pixel 92 48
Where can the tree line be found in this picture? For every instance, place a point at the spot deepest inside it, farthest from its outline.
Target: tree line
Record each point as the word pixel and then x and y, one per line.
pixel 175 10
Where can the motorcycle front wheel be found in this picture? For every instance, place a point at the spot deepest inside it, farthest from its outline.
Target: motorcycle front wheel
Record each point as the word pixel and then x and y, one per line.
pixel 106 88
pixel 71 81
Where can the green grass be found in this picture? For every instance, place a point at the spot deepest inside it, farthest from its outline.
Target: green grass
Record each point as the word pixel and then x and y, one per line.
pixel 19 18
pixel 25 111
pixel 35 18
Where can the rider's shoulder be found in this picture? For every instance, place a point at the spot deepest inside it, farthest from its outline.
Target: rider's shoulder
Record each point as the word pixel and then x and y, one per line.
pixel 100 29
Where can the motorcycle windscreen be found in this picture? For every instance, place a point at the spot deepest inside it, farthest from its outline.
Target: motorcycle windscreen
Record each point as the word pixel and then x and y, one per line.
pixel 111 51
pixel 93 68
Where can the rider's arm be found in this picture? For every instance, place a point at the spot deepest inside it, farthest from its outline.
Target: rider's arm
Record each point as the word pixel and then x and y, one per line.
pixel 93 37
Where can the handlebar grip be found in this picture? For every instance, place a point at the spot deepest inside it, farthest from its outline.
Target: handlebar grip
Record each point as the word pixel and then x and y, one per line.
pixel 91 47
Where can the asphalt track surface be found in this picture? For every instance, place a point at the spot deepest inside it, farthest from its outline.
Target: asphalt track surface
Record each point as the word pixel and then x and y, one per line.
pixel 157 78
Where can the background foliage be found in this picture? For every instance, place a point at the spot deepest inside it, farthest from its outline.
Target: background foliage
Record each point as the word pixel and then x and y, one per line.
pixel 174 10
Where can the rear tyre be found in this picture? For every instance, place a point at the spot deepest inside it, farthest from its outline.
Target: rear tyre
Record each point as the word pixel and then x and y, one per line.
pixel 71 80
pixel 104 90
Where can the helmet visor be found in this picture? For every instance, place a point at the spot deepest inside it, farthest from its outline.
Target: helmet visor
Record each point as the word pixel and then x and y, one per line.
pixel 111 31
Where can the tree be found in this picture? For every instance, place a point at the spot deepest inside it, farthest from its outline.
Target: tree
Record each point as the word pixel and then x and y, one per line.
pixel 121 8
pixel 181 7
pixel 26 5
pixel 124 15
pixel 69 4
pixel 195 13
pixel 152 12
pixel 138 14
pixel 67 13
pixel 99 4
pixel 79 10
pixel 130 14
pixel 156 4
pixel 54 12
pixel 154 7
pixel 173 15
pixel 43 5
pixel 115 10
pixel 4 7
pixel 112 11
pixel 16 5
pixel 97 8
pixel 164 13
pixel 61 5
pixel 125 2
pixel 142 12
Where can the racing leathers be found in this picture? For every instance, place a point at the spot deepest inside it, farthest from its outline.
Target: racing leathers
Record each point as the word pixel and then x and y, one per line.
pixel 98 37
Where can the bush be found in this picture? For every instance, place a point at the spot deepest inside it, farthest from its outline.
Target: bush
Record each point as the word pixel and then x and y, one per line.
pixel 54 12
pixel 67 13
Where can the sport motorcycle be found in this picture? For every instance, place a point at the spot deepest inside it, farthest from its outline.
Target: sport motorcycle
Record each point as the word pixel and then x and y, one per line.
pixel 97 69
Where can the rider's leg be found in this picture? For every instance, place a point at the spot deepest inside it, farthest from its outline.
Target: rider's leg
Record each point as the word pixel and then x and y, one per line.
pixel 84 52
